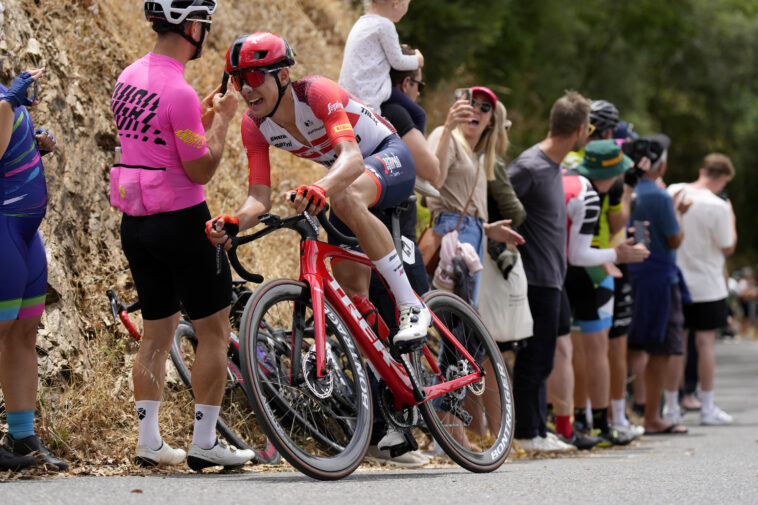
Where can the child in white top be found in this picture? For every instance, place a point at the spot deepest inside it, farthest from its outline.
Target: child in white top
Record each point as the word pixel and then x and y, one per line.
pixel 372 48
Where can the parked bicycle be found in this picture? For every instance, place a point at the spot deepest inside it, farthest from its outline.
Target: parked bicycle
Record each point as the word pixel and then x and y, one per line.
pixel 236 421
pixel 299 342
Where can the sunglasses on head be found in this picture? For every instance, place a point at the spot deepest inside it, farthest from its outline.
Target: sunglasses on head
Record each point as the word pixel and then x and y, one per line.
pixel 420 84
pixel 252 78
pixel 590 128
pixel 485 107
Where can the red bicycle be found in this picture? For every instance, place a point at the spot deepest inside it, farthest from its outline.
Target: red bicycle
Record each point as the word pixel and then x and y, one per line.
pixel 299 352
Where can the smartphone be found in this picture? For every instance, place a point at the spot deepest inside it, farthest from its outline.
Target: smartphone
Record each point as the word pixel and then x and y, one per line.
pixel 224 83
pixel 640 232
pixel 463 93
pixel 32 91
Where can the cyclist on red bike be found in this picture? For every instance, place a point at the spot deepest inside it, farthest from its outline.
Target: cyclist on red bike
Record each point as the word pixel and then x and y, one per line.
pixel 371 168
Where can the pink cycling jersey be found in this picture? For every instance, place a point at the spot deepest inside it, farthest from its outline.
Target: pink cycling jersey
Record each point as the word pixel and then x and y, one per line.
pixel 158 119
pixel 325 114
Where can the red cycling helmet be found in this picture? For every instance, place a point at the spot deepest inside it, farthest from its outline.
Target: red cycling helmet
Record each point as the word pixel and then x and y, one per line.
pixel 259 51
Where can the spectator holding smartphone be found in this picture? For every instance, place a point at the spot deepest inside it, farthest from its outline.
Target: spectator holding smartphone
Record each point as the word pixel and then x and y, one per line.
pixel 23 268
pixel 710 236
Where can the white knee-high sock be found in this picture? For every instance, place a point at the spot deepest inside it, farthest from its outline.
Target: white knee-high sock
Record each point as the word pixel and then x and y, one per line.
pixel 147 416
pixel 391 268
pixel 204 433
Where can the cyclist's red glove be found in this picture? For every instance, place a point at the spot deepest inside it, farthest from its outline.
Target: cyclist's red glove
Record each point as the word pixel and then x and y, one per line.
pixel 231 226
pixel 315 195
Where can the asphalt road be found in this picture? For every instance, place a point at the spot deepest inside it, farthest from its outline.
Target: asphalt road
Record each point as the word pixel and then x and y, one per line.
pixel 710 465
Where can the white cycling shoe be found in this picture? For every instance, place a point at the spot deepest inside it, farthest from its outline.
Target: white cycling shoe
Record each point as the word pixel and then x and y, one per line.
pixel 220 454
pixel 414 321
pixel 166 455
pixel 393 438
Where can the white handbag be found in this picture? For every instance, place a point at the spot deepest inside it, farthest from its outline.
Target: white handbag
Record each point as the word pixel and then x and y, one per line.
pixel 503 304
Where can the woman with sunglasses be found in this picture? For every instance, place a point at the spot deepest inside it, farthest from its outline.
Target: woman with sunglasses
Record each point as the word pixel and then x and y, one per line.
pixel 467 146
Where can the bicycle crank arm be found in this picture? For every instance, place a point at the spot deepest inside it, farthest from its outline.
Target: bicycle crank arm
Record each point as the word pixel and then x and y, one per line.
pixel 418 391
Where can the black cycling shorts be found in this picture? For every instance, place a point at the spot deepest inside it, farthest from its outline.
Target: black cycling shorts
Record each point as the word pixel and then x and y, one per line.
pixel 622 304
pixel 172 261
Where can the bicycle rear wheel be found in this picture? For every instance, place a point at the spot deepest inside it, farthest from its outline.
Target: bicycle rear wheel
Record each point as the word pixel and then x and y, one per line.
pixel 236 421
pixel 474 424
pixel 320 425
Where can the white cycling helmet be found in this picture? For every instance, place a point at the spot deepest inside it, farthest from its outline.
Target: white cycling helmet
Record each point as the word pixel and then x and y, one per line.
pixel 177 11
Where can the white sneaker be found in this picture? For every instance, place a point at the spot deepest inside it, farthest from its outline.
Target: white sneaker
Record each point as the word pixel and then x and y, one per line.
pixel 672 414
pixel 163 456
pixel 391 439
pixel 553 443
pixel 425 187
pixel 220 454
pixel 414 321
pixel 715 417
pixel 634 429
pixel 547 444
pixel 412 459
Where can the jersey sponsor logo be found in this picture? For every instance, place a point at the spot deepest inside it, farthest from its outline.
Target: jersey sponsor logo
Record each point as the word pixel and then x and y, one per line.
pixel 334 107
pixel 278 137
pixel 308 123
pixel 311 132
pixel 191 138
pixel 282 145
pixel 134 109
pixel 342 127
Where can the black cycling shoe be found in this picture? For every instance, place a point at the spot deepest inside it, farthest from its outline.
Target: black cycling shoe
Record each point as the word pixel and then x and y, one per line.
pixel 32 446
pixel 580 440
pixel 14 462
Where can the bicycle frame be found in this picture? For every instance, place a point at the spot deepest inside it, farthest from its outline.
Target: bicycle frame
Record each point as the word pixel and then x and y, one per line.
pixel 313 271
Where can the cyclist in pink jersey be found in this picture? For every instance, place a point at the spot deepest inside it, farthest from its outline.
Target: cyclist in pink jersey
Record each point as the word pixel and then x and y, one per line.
pixel 370 166
pixel 169 152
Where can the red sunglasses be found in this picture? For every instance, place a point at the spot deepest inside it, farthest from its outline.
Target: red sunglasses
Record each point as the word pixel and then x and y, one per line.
pixel 252 78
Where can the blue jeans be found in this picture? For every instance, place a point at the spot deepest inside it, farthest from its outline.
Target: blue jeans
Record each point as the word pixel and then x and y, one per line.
pixel 470 232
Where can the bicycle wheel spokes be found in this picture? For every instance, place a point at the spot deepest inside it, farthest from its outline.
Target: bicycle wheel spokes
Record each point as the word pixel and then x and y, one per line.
pixel 474 423
pixel 319 424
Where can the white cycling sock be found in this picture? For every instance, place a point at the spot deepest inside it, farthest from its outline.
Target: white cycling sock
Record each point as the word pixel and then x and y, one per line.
pixel 672 400
pixel 618 407
pixel 706 398
pixel 391 268
pixel 147 416
pixel 204 433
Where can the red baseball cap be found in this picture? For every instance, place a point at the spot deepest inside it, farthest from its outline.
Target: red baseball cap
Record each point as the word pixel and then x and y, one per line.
pixel 487 91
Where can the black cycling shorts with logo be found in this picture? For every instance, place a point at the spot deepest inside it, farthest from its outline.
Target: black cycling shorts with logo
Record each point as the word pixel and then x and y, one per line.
pixel 172 261
pixel 622 305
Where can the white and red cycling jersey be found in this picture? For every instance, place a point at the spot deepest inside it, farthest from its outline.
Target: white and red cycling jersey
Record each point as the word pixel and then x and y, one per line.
pixel 325 114
pixel 582 211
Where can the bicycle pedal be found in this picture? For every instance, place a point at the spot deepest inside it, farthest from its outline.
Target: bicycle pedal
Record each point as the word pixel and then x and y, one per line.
pixel 397 349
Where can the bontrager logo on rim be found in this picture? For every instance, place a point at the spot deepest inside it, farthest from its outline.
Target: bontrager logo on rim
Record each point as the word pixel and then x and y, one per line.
pixel 191 138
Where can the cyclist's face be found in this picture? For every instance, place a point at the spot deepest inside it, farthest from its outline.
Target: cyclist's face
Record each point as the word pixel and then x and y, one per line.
pixel 262 99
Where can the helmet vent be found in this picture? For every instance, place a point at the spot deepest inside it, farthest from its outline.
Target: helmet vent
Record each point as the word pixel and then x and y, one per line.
pixel 259 55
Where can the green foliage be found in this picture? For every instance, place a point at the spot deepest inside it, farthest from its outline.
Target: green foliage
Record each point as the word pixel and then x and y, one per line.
pixel 683 67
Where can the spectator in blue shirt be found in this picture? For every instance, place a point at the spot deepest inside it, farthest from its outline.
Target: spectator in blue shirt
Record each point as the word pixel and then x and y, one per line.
pixel 657 318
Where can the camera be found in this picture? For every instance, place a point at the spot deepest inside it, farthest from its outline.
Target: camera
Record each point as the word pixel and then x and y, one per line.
pixel 637 149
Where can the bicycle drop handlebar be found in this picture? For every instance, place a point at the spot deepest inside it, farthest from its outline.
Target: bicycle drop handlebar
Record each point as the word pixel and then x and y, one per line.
pixel 303 223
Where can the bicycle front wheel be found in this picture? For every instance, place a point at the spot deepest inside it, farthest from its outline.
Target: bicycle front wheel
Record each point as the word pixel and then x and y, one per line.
pixel 320 425
pixel 236 421
pixel 473 424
